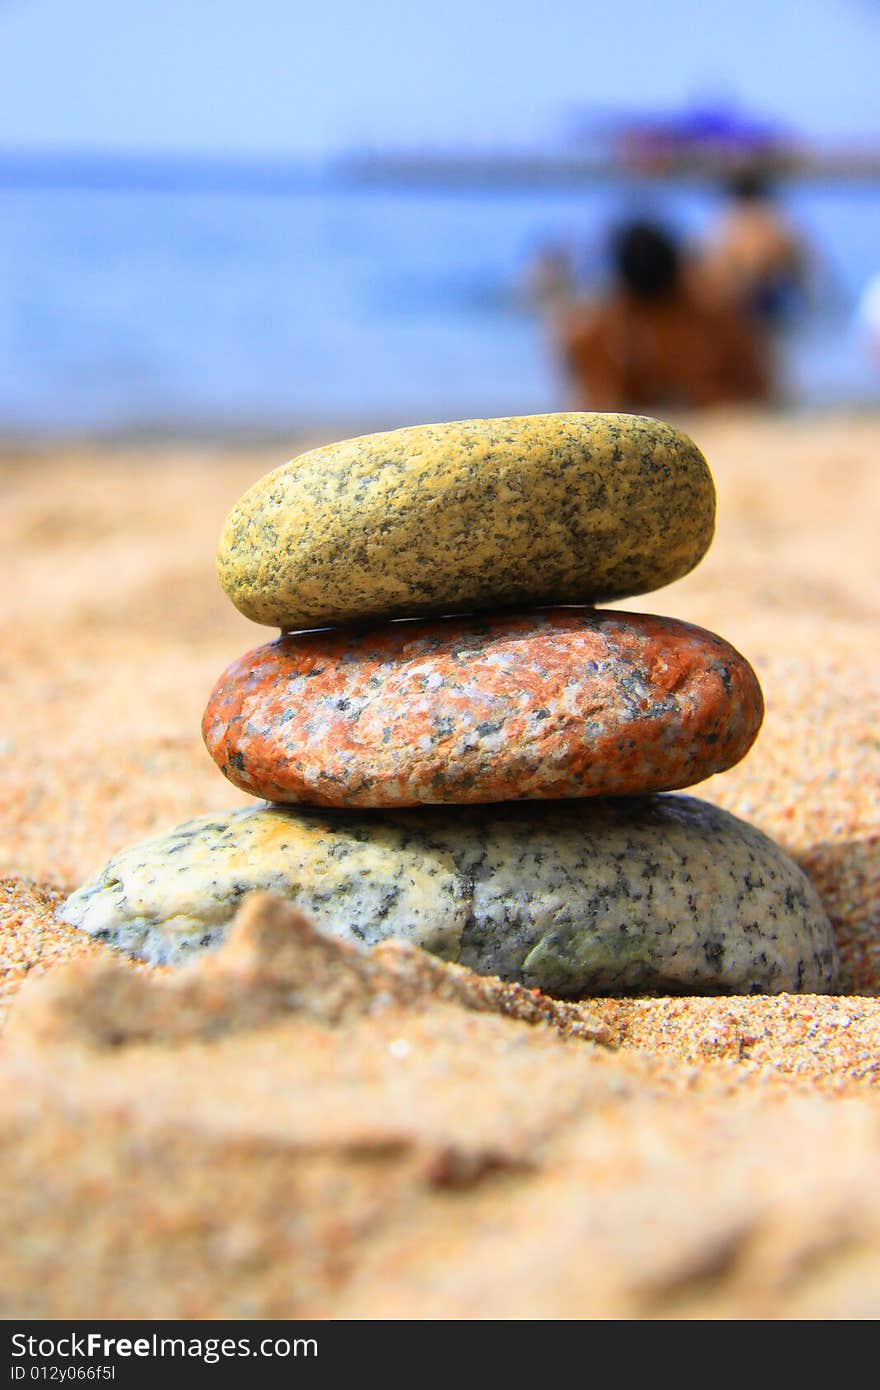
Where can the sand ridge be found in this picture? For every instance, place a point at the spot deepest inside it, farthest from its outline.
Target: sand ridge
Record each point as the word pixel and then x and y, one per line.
pixel 294 1128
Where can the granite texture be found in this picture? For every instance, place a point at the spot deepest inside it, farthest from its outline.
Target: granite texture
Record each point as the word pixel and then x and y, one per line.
pixel 636 895
pixel 560 703
pixel 567 508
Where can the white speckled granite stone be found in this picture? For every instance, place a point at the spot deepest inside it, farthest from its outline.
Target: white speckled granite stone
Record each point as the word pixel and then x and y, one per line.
pixel 663 893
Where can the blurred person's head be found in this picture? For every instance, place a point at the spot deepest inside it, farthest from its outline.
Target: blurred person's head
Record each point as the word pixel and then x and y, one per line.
pixel 750 184
pixel 646 261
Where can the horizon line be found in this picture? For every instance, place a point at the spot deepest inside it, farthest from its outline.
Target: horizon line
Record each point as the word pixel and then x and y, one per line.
pixel 365 168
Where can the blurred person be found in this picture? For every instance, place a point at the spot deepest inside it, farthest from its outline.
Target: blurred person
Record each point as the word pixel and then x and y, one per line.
pixel 753 260
pixel 652 341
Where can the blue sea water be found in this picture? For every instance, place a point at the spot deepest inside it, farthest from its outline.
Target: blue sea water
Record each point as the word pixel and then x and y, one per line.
pixel 128 308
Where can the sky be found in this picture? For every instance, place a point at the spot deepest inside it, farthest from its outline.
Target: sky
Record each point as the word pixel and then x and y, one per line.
pixel 307 78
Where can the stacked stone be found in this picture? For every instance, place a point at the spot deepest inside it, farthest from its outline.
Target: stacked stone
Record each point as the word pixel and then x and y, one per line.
pixel 455 762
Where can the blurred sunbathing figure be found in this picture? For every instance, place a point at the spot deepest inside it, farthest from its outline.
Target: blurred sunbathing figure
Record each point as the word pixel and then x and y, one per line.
pixel 753 260
pixel 652 342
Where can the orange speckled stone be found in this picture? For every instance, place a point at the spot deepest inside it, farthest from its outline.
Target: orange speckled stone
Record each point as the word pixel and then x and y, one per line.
pixel 559 703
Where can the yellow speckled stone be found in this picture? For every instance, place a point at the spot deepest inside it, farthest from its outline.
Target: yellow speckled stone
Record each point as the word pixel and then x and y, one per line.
pixel 568 508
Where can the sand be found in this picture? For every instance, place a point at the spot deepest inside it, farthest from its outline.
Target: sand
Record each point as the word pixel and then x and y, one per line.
pixel 687 1186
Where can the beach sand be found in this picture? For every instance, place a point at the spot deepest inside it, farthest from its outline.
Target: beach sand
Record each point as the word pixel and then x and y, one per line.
pixel 653 1157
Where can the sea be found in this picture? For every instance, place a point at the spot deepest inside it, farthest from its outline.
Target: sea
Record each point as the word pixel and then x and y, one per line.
pixel 216 310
